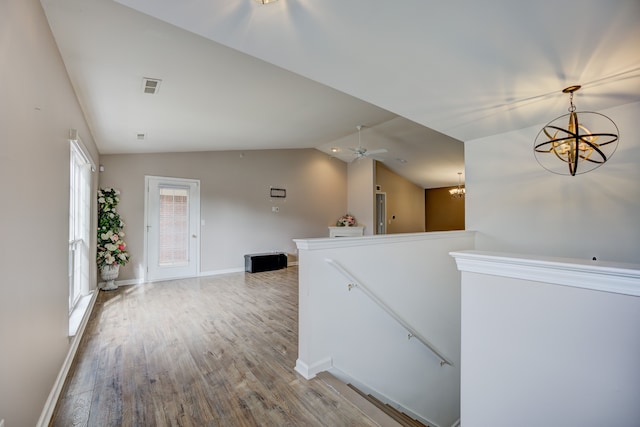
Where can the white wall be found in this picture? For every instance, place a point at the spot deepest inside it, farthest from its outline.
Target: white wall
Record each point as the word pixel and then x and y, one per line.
pixel 517 206
pixel 361 194
pixel 540 346
pixel 37 108
pixel 234 200
pixel 346 331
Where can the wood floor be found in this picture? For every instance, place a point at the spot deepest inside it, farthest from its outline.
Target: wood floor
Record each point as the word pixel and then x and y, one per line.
pixel 213 351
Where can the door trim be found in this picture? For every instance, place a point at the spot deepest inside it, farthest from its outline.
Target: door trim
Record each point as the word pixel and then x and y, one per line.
pixel 147 179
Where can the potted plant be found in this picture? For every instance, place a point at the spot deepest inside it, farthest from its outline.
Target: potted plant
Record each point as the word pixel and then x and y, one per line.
pixel 347 220
pixel 111 246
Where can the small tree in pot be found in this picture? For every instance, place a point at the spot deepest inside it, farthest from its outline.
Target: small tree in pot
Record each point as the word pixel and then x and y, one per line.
pixel 111 246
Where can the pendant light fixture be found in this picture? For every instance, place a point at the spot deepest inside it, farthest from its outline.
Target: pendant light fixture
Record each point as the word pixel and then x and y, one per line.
pixel 458 193
pixel 577 142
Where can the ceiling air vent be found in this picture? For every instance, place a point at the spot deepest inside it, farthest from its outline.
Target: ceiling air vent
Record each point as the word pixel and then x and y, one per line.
pixel 141 136
pixel 150 86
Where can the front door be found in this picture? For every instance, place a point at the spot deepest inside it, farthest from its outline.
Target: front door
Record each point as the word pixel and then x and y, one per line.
pixel 172 220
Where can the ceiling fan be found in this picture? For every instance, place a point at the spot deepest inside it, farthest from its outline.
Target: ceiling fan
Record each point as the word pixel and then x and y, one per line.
pixel 360 151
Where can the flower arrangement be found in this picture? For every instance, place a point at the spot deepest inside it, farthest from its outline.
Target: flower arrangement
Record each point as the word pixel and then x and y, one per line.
pixel 111 247
pixel 347 220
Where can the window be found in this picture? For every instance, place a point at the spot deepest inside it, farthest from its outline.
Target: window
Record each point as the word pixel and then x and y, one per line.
pixel 79 224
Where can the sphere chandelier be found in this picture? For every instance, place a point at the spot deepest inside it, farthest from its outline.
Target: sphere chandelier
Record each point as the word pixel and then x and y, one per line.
pixel 567 145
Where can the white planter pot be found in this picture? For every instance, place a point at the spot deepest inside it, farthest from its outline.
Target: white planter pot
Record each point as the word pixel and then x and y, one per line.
pixel 109 274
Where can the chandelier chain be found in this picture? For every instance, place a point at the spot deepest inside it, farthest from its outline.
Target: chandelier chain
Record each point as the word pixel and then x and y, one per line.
pixel 572 107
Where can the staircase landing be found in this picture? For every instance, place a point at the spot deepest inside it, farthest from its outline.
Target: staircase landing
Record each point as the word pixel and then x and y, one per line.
pixel 383 414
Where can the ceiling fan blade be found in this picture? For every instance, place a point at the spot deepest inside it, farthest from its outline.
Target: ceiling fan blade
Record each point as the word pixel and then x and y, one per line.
pixel 378 151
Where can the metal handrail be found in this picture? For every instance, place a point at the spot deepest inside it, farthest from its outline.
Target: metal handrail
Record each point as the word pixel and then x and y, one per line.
pixel 354 283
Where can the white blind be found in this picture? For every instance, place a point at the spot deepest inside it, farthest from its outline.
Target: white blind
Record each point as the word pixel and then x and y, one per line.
pixel 174 226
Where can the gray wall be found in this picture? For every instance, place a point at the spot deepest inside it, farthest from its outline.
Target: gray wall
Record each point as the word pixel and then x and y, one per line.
pixel 235 203
pixel 517 206
pixel 37 108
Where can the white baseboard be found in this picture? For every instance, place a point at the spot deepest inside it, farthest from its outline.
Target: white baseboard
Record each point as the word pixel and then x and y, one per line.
pixel 219 272
pixel 54 394
pixel 127 282
pixel 310 371
pixel 140 281
pixel 347 379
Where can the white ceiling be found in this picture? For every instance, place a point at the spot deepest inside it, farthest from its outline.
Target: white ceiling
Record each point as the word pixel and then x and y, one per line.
pixel 420 75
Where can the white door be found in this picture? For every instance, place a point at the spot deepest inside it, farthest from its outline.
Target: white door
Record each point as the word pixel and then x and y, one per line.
pixel 172 216
pixel 381 213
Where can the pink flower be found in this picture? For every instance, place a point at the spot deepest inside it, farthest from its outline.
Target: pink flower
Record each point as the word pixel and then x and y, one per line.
pixel 121 246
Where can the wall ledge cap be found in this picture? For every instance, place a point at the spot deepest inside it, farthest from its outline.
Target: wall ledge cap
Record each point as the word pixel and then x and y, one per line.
pixel 343 242
pixel 620 278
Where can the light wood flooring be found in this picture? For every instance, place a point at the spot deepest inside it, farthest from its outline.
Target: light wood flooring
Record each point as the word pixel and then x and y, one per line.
pixel 212 351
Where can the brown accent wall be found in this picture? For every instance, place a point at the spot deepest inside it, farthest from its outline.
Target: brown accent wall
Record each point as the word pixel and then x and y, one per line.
pixel 442 213
pixel 405 202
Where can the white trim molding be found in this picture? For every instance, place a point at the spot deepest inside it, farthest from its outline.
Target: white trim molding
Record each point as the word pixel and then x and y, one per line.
pixel 619 278
pixel 310 371
pixel 380 239
pixel 56 390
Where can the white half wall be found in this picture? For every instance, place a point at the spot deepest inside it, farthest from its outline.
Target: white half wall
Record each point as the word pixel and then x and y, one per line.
pixel 549 342
pixel 517 206
pixel 415 276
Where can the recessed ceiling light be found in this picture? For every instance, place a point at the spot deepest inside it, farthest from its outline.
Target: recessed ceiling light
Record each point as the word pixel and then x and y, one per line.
pixel 403 161
pixel 266 1
pixel 335 149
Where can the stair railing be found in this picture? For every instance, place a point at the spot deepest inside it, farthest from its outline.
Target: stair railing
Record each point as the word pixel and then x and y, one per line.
pixel 354 283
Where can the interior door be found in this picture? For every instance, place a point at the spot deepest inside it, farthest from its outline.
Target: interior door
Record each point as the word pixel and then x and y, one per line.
pixel 172 223
pixel 381 213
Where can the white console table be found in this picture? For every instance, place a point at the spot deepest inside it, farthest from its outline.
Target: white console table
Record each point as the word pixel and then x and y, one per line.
pixel 346 231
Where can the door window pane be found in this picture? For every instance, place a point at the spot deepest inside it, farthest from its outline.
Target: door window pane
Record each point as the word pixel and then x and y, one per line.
pixel 174 226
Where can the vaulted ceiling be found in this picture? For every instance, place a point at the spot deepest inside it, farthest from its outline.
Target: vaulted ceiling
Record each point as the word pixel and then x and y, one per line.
pixel 420 76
